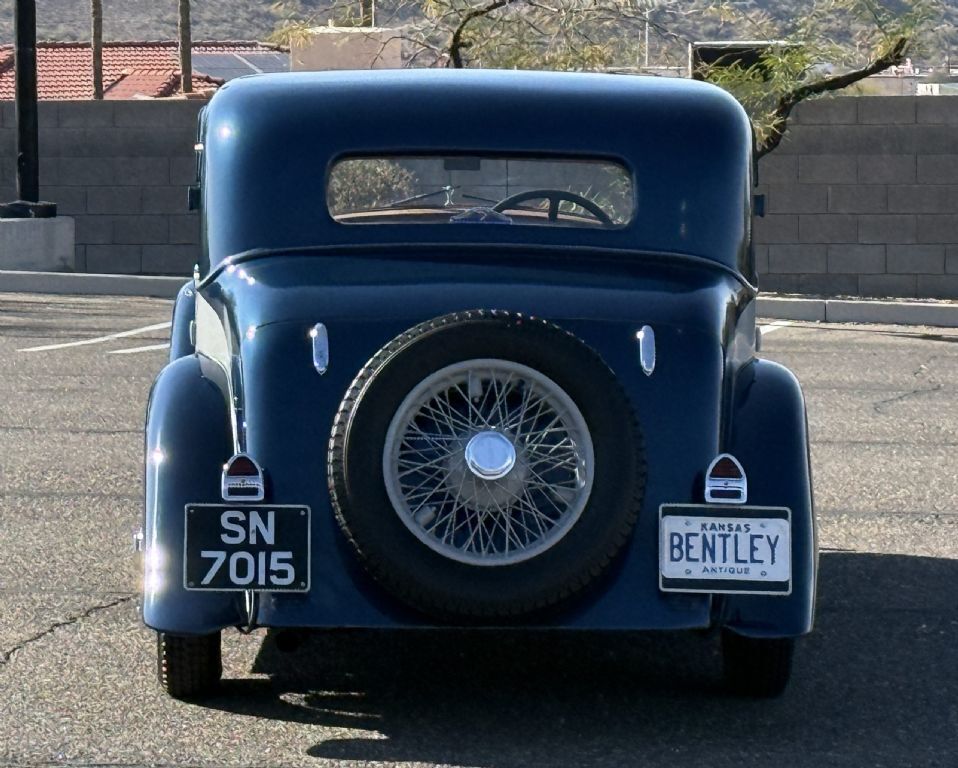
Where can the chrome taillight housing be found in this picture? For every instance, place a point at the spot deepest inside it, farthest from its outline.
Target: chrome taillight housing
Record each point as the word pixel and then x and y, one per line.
pixel 725 481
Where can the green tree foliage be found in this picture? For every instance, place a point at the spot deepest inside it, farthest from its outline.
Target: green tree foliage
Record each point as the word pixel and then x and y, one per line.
pixel 365 183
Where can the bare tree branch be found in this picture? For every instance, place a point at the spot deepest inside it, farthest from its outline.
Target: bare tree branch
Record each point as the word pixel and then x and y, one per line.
pixel 779 118
pixel 456 43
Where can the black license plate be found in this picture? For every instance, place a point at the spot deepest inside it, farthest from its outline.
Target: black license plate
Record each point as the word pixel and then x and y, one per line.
pixel 230 548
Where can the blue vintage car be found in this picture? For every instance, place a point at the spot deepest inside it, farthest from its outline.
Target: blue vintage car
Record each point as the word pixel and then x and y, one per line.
pixel 475 348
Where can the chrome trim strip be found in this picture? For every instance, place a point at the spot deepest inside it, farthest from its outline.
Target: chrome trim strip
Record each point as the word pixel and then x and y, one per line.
pixel 320 339
pixel 646 339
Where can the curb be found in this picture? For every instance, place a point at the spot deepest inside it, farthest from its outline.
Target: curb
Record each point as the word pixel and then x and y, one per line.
pixel 82 284
pixel 889 312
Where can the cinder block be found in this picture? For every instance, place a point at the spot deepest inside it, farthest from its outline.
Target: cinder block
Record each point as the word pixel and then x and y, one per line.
pixel 937 286
pixel 97 230
pixel 796 259
pixel 856 259
pixel 916 259
pixel 140 229
pixel 86 114
pixel 934 139
pixel 803 140
pixel 828 285
pixel 938 229
pixel 185 230
pixel 85 171
pixel 857 198
pixel 887 169
pixel 141 171
pixel 797 198
pixel 887 228
pixel 886 110
pixel 864 140
pixel 938 169
pixel 113 259
pixel 778 169
pixel 923 198
pixel 168 113
pixel 169 259
pixel 49 172
pixel 183 168
pixel 164 199
pixel 775 229
pixel 761 258
pixel 951 259
pixel 185 111
pixel 778 283
pixel 827 169
pixel 880 286
pixel 8 142
pixel 48 114
pixel 940 109
pixel 828 228
pixel 70 200
pixel 116 200
pixel 828 110
pixel 141 113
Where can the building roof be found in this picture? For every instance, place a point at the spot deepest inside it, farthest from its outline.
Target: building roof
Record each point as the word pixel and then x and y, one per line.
pixel 139 69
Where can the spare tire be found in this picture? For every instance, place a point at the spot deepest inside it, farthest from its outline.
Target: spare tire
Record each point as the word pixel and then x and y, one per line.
pixel 486 465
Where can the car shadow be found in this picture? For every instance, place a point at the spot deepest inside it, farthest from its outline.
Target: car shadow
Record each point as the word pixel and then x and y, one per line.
pixel 875 684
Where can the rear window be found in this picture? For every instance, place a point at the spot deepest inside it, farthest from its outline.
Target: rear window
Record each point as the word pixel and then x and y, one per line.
pixel 487 190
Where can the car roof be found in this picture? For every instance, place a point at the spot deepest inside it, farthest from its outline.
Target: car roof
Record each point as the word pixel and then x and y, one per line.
pixel 688 144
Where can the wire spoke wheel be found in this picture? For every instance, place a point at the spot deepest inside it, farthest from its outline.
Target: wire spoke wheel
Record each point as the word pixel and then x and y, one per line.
pixel 488 462
pixel 486 466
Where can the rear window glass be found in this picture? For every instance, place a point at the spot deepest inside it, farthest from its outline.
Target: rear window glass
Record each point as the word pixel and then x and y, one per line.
pixel 488 190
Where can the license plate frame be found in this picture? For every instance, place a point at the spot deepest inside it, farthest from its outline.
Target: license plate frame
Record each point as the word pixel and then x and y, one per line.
pixel 689 582
pixel 293 520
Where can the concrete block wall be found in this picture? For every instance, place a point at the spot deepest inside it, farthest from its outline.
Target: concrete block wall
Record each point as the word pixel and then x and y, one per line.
pixel 862 199
pixel 862 196
pixel 120 169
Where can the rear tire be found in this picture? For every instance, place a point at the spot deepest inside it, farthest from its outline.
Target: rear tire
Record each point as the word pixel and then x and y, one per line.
pixel 756 666
pixel 188 666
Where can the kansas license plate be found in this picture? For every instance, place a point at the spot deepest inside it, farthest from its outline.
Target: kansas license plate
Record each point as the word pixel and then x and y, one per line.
pixel 707 548
pixel 230 547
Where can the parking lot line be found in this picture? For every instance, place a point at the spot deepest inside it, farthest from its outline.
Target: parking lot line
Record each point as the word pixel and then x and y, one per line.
pixel 131 350
pixel 98 339
pixel 767 329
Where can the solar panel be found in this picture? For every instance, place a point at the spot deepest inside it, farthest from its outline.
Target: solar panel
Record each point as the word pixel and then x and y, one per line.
pixel 230 65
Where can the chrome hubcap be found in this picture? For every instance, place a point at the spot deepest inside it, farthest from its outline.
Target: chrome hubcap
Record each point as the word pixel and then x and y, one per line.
pixel 488 462
pixel 490 455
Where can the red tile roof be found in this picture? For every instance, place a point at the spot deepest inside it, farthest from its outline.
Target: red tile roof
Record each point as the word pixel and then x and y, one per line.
pixel 130 70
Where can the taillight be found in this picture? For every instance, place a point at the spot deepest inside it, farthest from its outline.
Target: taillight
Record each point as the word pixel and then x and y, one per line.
pixel 725 481
pixel 242 479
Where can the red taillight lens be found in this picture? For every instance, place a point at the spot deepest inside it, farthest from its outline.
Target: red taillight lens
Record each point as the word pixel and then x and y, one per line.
pixel 241 466
pixel 726 468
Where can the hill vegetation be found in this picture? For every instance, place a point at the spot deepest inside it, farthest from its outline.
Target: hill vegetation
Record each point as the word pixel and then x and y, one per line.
pixel 259 19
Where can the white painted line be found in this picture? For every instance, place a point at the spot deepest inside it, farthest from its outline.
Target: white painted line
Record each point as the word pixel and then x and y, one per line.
pixel 131 350
pixel 98 339
pixel 767 329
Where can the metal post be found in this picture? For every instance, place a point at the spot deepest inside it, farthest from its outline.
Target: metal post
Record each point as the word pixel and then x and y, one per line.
pixel 28 135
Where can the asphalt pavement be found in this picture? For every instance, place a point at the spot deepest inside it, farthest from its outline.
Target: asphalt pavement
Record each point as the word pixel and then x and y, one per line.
pixel 876 684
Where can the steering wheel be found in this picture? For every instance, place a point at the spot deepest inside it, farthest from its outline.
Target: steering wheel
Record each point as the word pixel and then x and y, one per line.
pixel 554 196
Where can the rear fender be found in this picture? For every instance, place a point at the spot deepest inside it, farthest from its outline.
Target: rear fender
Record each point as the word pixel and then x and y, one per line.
pixel 188 439
pixel 769 436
